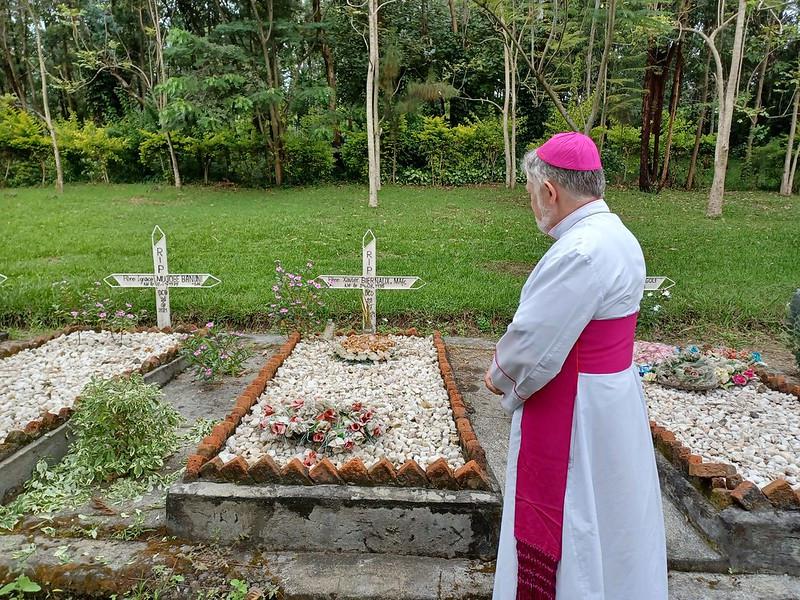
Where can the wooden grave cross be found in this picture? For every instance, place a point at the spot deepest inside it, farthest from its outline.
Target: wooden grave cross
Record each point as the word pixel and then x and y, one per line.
pixel 369 282
pixel 161 279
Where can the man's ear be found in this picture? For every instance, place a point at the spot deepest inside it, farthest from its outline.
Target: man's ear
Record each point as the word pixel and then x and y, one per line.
pixel 552 193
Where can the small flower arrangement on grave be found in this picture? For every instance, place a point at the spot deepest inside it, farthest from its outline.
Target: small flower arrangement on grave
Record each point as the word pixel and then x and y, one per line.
pixel 297 305
pixel 90 309
pixel 364 347
pixel 323 426
pixel 216 354
pixel 698 369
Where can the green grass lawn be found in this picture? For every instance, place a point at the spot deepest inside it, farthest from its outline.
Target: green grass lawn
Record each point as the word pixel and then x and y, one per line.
pixel 473 247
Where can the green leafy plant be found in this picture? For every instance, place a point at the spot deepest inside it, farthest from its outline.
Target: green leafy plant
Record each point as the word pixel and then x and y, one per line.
pixel 19 587
pixel 297 306
pixel 216 354
pixel 123 428
pixel 652 309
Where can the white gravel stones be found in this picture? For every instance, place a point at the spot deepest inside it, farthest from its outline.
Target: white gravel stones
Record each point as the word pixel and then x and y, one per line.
pixel 406 392
pixel 50 377
pixel 756 431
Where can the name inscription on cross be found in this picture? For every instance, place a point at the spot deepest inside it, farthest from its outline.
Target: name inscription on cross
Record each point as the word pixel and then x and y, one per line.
pixel 369 282
pixel 652 284
pixel 161 279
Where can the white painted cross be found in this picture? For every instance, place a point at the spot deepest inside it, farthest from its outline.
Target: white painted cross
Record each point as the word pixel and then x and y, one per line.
pixel 652 284
pixel 161 279
pixel 369 282
pixel 2 279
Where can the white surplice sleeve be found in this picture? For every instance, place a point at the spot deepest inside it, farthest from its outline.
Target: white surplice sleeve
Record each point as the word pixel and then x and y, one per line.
pixel 557 303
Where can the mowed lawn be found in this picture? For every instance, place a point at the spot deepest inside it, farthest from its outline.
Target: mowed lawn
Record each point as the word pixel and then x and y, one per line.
pixel 473 247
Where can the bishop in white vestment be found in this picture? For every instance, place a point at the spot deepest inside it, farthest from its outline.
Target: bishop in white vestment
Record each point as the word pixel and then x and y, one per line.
pixel 582 517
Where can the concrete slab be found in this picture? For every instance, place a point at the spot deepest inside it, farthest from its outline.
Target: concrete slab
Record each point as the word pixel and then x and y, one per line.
pixel 387 520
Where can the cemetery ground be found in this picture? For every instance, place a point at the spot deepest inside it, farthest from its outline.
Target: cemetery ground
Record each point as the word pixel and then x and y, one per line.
pixel 473 247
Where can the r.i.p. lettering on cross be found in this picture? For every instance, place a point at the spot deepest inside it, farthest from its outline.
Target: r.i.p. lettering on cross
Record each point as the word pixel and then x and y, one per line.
pixel 161 279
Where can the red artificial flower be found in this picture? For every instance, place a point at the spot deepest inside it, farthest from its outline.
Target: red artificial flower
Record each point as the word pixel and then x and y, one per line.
pixel 377 431
pixel 355 426
pixel 349 445
pixel 278 428
pixel 318 437
pixel 357 407
pixel 297 404
pixel 367 416
pixel 329 415
pixel 310 459
pixel 268 410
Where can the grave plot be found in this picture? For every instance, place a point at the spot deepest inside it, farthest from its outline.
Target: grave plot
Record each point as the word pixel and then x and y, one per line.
pixel 40 380
pixel 728 431
pixel 355 443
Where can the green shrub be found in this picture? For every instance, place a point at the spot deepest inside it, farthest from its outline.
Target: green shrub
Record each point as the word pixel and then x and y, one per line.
pixel 308 160
pixel 354 155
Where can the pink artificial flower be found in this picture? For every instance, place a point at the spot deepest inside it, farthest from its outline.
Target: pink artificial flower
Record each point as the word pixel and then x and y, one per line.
pixel 263 424
pixel 297 404
pixel 268 410
pixel 128 305
pixel 278 428
pixel 377 431
pixel 739 379
pixel 294 419
pixel 318 437
pixel 357 407
pixel 102 315
pixel 310 459
pixel 349 445
pixel 749 373
pixel 210 324
pixel 355 426
pixel 367 416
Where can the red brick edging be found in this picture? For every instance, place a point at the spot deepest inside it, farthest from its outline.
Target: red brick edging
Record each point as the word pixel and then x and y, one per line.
pixel 48 421
pixel 777 381
pixel 720 482
pixel 206 464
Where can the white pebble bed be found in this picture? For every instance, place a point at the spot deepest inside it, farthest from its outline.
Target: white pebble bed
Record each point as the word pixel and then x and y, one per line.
pixel 756 431
pixel 51 377
pixel 406 392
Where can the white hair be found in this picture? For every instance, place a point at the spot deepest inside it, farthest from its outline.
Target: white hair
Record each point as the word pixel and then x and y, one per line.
pixel 584 184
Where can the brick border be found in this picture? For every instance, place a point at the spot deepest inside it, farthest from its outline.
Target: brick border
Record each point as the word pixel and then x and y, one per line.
pixel 719 482
pixel 206 464
pixel 777 381
pixel 47 421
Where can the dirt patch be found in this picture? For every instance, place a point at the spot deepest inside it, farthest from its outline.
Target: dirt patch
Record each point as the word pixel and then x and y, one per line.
pixel 508 267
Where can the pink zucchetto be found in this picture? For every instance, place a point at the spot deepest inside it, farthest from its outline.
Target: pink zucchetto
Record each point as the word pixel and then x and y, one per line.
pixel 572 150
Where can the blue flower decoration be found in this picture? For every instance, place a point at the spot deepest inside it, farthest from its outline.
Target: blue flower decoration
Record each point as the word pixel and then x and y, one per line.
pixel 756 356
pixel 694 349
pixel 644 369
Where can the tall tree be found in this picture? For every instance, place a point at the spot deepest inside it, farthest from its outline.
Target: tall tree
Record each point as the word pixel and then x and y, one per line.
pixel 727 88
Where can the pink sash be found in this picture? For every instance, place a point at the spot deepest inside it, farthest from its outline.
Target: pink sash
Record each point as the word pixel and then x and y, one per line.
pixel 603 347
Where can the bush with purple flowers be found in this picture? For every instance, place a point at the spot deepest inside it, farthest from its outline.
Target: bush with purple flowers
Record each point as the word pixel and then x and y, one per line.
pixel 89 308
pixel 217 353
pixel 297 305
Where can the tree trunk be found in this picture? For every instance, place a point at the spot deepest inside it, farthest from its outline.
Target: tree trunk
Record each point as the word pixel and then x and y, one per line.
pixel 603 115
pixel 275 123
pixel 675 96
pixel 46 104
pixel 698 134
pixel 727 105
pixel 513 118
pixel 590 50
pixel 786 184
pixel 658 61
pixel 794 168
pixel 601 75
pixel 372 92
pixel 762 71
pixel 330 72
pixel 506 102
pixel 173 159
pixel 453 16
